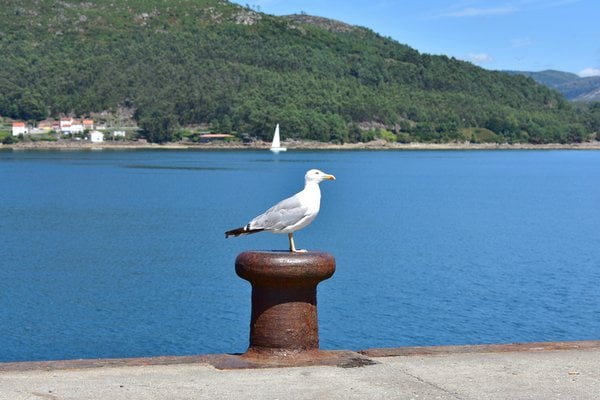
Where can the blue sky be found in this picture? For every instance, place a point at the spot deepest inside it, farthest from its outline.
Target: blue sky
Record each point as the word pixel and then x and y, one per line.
pixel 526 35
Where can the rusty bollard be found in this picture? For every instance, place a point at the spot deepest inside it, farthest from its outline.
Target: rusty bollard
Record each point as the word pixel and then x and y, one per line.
pixel 284 300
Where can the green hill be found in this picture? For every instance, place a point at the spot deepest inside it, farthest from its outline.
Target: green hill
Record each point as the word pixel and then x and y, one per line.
pixel 185 62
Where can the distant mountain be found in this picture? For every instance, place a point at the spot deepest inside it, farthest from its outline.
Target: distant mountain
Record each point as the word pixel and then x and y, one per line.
pixel 573 87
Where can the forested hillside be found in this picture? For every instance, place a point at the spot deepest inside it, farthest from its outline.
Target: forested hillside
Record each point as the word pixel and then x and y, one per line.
pixel 186 62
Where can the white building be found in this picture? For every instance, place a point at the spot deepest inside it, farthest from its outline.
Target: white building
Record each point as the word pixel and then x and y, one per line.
pixel 96 137
pixel 88 123
pixel 70 125
pixel 76 127
pixel 65 124
pixel 19 128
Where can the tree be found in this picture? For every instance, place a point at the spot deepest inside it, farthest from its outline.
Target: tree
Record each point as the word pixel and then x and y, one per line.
pixel 158 126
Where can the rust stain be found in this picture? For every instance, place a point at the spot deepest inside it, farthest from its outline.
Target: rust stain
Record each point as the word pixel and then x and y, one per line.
pixel 484 348
pixel 250 360
pixel 339 358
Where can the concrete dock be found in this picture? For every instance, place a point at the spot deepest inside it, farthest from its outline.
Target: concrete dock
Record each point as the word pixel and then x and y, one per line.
pixel 559 370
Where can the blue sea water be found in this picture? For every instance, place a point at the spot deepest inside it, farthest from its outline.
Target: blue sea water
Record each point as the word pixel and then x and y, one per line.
pixel 122 253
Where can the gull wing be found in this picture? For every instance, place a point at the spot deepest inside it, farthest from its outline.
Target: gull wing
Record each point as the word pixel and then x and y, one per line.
pixel 282 215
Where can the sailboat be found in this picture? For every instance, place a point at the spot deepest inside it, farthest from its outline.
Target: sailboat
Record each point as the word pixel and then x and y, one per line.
pixel 276 145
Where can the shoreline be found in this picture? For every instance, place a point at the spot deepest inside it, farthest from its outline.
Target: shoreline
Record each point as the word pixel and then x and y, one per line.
pixel 294 145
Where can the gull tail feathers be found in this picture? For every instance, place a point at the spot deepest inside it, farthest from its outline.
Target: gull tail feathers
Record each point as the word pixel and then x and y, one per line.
pixel 245 230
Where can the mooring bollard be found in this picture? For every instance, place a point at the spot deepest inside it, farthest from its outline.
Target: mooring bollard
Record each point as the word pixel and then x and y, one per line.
pixel 284 300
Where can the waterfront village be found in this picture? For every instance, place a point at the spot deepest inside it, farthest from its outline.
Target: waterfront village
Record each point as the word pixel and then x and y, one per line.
pixel 66 126
pixel 86 129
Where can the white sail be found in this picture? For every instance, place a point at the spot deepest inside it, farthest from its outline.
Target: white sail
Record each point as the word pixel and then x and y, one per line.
pixel 276 139
pixel 276 145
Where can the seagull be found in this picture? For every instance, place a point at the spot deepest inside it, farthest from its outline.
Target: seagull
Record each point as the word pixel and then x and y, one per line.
pixel 291 214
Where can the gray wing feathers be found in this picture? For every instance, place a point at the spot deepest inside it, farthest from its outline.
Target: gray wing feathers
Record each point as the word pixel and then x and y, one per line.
pixel 283 214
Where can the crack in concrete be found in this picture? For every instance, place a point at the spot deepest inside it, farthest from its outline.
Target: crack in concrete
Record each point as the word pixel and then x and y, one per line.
pixel 433 385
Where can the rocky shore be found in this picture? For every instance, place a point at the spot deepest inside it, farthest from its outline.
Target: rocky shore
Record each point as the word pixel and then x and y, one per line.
pixel 293 145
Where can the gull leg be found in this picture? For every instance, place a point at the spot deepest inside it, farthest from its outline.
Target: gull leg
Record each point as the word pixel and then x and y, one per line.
pixel 292 247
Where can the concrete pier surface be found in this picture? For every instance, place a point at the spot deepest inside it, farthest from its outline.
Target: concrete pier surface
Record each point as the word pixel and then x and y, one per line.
pixel 559 370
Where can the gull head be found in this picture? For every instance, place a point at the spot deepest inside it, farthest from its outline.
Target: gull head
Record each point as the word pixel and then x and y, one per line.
pixel 316 176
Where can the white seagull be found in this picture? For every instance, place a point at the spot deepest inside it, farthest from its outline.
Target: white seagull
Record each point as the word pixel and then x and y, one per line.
pixel 291 214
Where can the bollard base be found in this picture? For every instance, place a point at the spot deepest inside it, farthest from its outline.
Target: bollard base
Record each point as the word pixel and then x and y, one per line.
pixel 257 359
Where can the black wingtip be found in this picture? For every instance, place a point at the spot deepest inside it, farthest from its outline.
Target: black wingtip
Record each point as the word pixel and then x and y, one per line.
pixel 242 231
pixel 235 232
